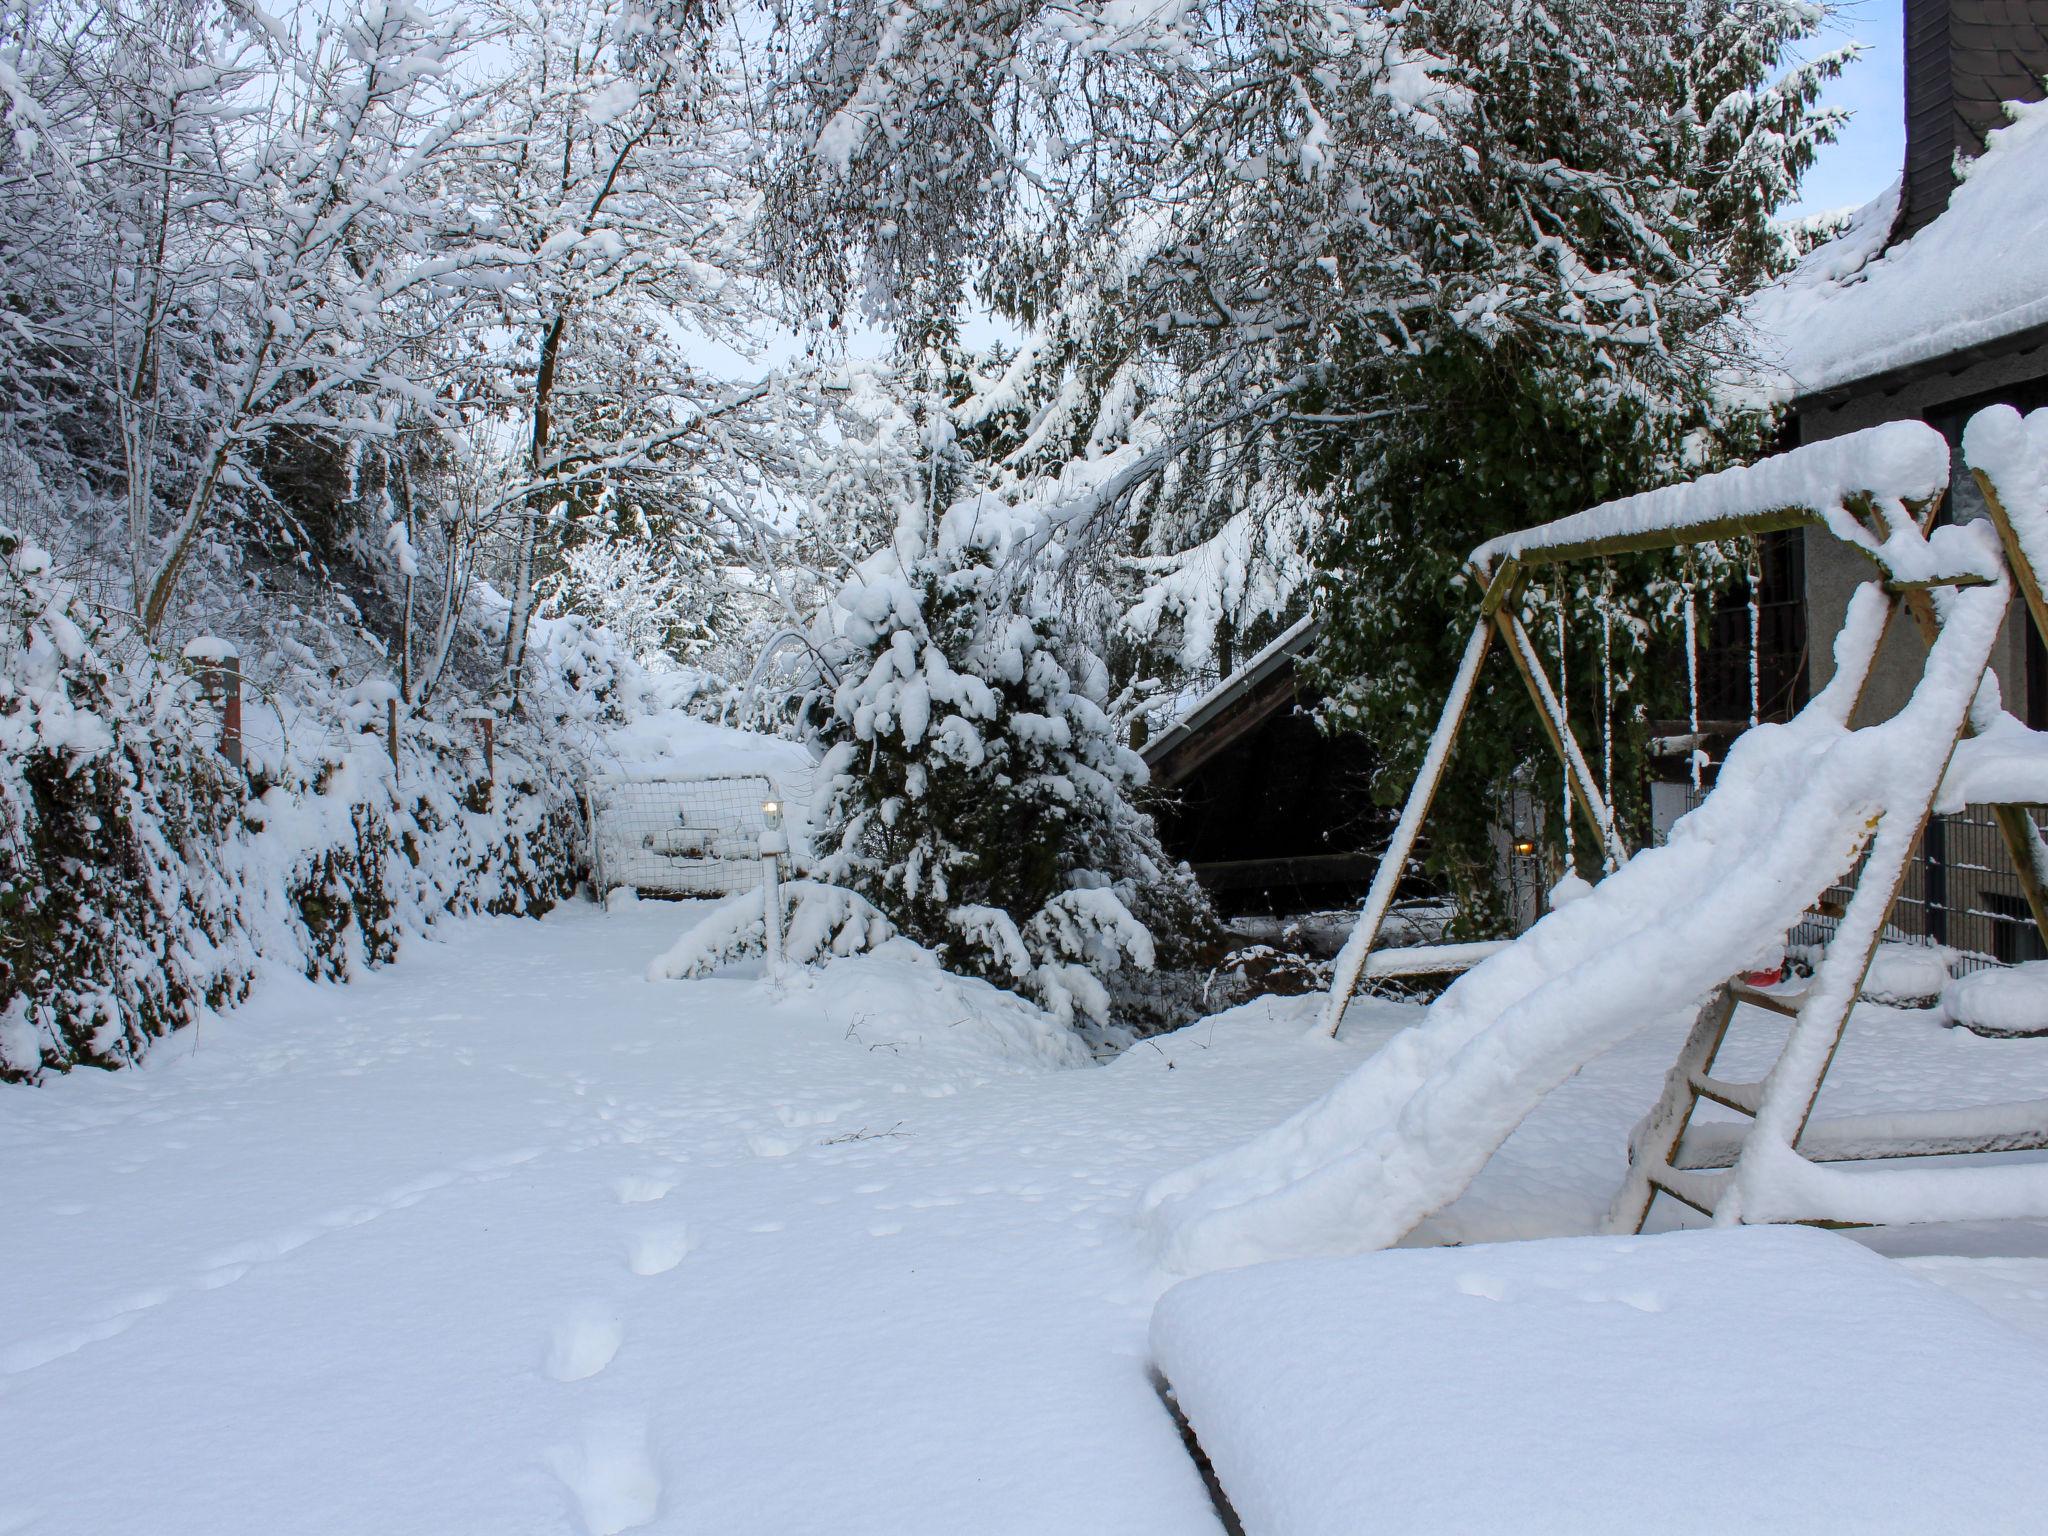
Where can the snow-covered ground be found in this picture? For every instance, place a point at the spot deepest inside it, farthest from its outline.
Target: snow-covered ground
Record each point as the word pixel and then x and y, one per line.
pixel 505 1238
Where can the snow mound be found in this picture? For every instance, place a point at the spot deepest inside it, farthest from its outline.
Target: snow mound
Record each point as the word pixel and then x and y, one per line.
pixel 899 998
pixel 1567 1385
pixel 896 993
pixel 818 922
pixel 1906 975
pixel 2002 1002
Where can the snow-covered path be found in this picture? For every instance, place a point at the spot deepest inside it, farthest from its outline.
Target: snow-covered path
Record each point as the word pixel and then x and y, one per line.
pixel 506 1239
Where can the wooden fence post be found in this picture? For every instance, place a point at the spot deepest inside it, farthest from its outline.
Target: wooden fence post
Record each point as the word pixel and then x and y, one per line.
pixel 218 666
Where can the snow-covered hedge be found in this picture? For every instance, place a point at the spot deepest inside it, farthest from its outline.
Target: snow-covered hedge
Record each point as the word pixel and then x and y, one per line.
pixel 143 878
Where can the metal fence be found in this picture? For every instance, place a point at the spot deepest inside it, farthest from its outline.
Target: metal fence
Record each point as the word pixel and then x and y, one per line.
pixel 1961 891
pixel 698 836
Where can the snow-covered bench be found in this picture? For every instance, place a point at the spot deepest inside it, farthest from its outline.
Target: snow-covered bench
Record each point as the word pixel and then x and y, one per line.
pixel 1774 1379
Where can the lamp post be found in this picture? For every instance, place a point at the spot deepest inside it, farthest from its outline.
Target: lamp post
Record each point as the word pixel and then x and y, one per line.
pixel 774 843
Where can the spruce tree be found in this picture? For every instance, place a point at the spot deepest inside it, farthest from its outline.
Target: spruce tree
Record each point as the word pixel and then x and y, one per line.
pixel 975 788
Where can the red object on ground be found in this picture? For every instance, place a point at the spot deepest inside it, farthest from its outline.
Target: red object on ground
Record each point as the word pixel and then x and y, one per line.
pixel 1768 978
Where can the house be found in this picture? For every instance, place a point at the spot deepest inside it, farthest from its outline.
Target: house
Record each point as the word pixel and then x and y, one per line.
pixel 1274 815
pixel 1931 305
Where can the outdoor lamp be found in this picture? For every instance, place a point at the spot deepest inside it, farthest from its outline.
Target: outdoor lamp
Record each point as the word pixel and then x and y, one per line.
pixel 773 841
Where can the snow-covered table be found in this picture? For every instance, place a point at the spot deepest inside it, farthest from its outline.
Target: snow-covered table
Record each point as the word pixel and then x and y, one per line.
pixel 1753 1379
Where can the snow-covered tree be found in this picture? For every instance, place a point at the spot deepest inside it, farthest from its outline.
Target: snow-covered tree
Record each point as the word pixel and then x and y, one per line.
pixel 1298 268
pixel 975 788
pixel 220 246
pixel 1608 193
pixel 621 180
pixel 661 591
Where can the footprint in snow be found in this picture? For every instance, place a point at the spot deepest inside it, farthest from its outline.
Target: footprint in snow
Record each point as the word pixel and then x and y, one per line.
pixel 27 1354
pixel 1486 1287
pixel 641 1188
pixel 611 1475
pixel 658 1250
pixel 585 1342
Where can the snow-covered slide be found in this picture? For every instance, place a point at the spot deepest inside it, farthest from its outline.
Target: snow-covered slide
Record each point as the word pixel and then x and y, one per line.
pixel 1793 807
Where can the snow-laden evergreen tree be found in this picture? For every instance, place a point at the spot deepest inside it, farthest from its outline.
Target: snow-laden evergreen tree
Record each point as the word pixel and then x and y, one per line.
pixel 976 789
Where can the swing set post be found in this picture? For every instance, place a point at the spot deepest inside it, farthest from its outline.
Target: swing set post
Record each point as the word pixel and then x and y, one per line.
pixel 1501 581
pixel 1386 878
pixel 1591 803
pixel 1502 588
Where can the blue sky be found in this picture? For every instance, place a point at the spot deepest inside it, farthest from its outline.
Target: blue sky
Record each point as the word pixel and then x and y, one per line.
pixel 1853 171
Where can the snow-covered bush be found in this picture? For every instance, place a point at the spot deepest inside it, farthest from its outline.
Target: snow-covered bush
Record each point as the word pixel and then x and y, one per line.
pixel 818 922
pixel 974 788
pixel 106 937
pixel 143 877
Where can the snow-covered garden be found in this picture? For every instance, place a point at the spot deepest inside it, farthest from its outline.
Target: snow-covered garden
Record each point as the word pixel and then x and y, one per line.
pixel 507 1238
pixel 649 650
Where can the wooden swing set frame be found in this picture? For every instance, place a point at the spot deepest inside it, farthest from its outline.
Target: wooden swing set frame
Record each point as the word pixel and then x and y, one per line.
pixel 1663 1159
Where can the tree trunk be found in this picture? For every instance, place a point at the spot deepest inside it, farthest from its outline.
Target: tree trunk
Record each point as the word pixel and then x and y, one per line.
pixel 528 545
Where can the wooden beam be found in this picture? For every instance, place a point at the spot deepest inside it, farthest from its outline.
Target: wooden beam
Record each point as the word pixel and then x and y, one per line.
pixel 1712 531
pixel 1380 898
pixel 1306 869
pixel 1184 758
pixel 2023 573
pixel 1657 1139
pixel 1501 586
pixel 2021 1127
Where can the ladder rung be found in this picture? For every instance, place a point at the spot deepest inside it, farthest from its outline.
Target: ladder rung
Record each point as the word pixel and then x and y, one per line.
pixel 1701 1191
pixel 1771 1002
pixel 1743 1098
pixel 2019 1127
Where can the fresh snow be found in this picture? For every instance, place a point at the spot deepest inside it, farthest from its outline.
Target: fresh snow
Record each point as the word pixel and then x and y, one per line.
pixel 1907 975
pixel 1761 1379
pixel 1977 274
pixel 505 1238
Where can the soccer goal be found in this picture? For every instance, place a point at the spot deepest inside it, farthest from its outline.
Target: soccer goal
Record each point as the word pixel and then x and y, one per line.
pixel 697 835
